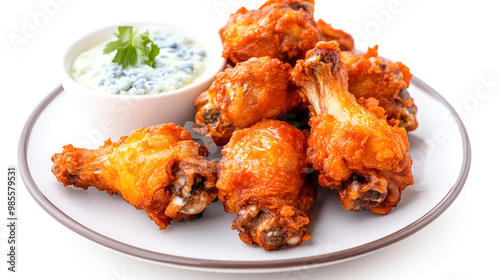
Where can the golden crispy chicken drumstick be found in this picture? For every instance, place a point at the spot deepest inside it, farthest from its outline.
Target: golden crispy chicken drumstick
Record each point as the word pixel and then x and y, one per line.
pixel 356 151
pixel 262 180
pixel 373 76
pixel 158 169
pixel 239 97
pixel 283 29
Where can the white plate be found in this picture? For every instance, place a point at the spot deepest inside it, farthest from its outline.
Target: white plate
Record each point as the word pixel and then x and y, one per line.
pixel 440 148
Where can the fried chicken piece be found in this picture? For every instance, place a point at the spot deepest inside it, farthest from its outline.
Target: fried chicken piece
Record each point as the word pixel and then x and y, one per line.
pixel 262 179
pixel 241 96
pixel 283 29
pixel 328 33
pixel 373 76
pixel 356 151
pixel 158 169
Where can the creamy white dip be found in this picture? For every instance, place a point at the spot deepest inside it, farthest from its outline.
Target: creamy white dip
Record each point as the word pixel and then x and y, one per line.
pixel 179 62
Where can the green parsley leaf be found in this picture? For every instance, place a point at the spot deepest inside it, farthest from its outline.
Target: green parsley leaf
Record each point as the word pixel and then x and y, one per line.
pixel 132 48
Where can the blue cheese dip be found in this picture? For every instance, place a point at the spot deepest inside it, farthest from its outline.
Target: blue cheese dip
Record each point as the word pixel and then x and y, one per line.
pixel 179 62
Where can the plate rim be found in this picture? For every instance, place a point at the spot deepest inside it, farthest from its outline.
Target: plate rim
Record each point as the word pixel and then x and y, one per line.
pixel 243 266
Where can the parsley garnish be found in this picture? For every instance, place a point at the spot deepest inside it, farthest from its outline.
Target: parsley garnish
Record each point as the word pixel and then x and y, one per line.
pixel 132 48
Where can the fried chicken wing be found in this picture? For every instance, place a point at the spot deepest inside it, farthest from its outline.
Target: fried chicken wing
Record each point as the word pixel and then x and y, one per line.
pixel 158 169
pixel 262 180
pixel 283 29
pixel 373 76
pixel 328 33
pixel 241 96
pixel 356 151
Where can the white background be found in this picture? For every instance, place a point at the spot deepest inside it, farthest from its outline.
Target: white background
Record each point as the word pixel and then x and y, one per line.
pixel 451 45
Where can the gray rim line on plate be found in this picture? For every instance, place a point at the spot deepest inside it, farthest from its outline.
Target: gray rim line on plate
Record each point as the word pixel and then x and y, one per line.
pixel 276 265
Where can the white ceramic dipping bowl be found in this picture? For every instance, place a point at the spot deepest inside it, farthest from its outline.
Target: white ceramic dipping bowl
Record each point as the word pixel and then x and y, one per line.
pixel 125 113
